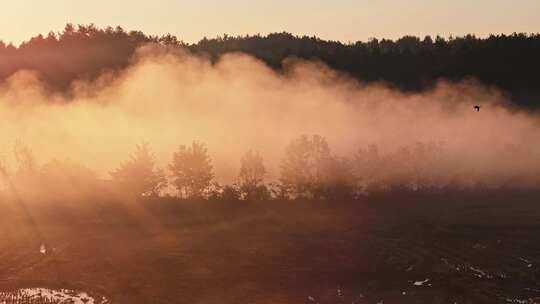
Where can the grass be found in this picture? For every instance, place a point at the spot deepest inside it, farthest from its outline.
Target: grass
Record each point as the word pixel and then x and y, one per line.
pixel 471 247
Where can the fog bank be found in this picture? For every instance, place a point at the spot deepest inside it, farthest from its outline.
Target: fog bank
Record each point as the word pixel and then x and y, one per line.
pixel 169 97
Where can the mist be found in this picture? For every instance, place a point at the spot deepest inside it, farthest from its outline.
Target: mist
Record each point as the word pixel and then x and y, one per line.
pixel 169 97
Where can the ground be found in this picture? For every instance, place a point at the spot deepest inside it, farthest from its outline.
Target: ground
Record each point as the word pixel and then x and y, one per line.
pixel 464 248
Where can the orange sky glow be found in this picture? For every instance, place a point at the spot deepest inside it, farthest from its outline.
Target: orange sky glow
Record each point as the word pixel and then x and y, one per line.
pixel 343 20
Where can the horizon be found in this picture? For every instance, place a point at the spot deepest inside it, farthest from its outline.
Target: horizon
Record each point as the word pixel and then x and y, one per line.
pixel 298 35
pixel 342 21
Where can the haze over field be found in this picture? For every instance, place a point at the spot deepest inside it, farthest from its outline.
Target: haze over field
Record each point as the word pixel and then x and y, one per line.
pixel 169 97
pixel 315 152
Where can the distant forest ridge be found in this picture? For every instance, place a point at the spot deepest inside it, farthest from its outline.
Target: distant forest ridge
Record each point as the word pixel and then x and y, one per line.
pixel 508 62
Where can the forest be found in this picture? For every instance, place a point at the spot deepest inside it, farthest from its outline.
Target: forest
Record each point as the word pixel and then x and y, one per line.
pixel 411 64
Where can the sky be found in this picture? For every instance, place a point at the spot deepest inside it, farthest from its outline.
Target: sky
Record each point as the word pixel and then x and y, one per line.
pixel 344 20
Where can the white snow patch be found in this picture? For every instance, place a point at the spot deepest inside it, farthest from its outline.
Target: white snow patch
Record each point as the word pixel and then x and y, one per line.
pixel 517 301
pixel 43 249
pixel 479 273
pixel 421 283
pixel 55 295
pixel 529 264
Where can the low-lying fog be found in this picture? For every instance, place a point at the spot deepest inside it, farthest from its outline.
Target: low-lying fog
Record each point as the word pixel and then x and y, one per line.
pixel 168 98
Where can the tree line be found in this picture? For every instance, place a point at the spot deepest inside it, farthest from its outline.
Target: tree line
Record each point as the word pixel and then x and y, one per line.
pixel 309 170
pixel 509 62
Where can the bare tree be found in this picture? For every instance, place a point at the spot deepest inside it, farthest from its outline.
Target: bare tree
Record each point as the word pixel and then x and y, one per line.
pixel 251 176
pixel 25 158
pixel 191 170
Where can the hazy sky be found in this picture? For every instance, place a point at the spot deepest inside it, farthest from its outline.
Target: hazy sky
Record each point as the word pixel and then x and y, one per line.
pixel 345 20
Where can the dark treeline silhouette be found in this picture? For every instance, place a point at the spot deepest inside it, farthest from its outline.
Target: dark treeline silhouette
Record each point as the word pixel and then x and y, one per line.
pixel 82 52
pixel 309 170
pixel 509 62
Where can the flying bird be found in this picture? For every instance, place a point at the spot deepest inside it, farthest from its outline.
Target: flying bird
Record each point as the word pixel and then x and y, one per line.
pixel 477 108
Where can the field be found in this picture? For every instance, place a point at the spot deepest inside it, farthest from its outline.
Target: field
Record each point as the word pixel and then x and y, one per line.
pixel 466 248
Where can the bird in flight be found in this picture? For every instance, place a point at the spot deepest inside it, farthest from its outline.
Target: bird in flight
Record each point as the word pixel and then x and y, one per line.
pixel 477 108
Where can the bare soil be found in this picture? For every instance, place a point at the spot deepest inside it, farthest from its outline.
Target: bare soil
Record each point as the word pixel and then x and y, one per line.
pixel 481 248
